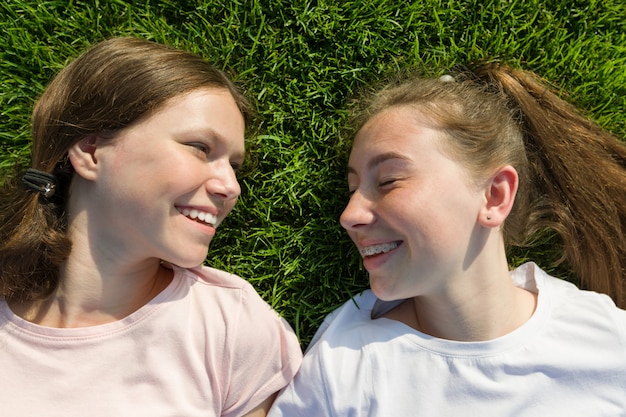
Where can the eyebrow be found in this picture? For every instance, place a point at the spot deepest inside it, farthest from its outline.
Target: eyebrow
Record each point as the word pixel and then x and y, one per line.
pixel 379 159
pixel 211 133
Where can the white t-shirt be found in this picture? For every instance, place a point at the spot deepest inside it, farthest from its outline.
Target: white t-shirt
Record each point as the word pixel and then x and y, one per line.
pixel 207 345
pixel 569 360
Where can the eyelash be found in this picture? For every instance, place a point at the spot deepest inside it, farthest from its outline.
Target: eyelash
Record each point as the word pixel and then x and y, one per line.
pixel 206 150
pixel 201 147
pixel 386 182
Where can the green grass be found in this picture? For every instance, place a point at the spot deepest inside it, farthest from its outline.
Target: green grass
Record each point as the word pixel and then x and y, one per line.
pixel 301 61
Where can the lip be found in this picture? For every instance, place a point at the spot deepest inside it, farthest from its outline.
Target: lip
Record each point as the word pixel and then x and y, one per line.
pixel 208 209
pixel 360 244
pixel 372 262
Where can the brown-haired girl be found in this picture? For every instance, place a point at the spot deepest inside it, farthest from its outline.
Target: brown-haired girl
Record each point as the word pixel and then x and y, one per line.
pixel 105 306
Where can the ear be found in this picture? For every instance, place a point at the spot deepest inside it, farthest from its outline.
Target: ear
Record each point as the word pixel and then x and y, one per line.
pixel 82 155
pixel 499 197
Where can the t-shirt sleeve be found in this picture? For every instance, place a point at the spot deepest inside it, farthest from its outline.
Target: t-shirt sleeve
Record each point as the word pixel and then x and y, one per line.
pixel 335 359
pixel 306 394
pixel 264 355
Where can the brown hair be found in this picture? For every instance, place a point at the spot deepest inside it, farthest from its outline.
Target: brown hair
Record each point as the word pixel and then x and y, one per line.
pixel 572 172
pixel 109 87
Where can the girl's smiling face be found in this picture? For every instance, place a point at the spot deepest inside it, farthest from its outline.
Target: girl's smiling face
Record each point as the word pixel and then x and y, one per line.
pixel 413 210
pixel 164 184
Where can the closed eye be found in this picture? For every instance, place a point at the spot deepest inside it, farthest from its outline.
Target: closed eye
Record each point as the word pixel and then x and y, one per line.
pixel 386 182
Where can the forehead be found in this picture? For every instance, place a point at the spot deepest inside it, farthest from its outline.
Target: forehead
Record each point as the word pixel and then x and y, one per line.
pixel 202 107
pixel 204 114
pixel 403 138
pixel 399 129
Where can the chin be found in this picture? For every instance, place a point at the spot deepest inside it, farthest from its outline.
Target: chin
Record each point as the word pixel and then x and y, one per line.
pixel 187 261
pixel 384 293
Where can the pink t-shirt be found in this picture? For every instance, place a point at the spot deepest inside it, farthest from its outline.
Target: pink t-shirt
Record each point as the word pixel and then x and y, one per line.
pixel 208 345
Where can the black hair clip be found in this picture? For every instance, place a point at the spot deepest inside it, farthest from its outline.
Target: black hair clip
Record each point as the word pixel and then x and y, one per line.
pixel 40 181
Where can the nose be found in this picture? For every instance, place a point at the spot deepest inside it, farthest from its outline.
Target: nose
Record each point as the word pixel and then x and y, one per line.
pixel 223 181
pixel 358 213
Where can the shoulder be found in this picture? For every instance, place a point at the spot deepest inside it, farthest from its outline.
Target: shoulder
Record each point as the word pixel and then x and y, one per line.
pixel 222 286
pixel 256 348
pixel 563 293
pixel 207 275
pixel 559 291
pixel 349 338
pixel 349 317
pixel 586 313
pixel 341 360
pixel 220 293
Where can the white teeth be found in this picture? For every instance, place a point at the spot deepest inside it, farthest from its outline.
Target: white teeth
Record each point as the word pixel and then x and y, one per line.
pixel 376 249
pixel 195 214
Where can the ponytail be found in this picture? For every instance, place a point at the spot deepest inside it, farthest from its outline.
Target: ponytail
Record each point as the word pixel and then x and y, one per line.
pixel 572 173
pixel 33 243
pixel 578 180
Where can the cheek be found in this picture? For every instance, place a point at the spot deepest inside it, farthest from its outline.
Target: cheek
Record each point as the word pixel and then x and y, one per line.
pixel 427 213
pixel 458 215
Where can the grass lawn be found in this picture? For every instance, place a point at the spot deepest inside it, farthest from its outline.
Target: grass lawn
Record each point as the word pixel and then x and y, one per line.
pixel 300 62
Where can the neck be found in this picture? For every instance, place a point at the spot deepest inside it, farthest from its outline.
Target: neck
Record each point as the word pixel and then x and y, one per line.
pixel 479 317
pixel 478 304
pixel 96 292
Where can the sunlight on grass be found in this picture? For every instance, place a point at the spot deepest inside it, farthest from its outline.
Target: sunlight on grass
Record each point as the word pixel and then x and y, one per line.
pixel 301 61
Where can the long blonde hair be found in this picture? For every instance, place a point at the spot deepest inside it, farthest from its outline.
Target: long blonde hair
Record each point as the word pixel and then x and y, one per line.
pixel 572 172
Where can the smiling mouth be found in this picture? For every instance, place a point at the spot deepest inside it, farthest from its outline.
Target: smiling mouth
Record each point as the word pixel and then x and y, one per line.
pixel 198 216
pixel 377 249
